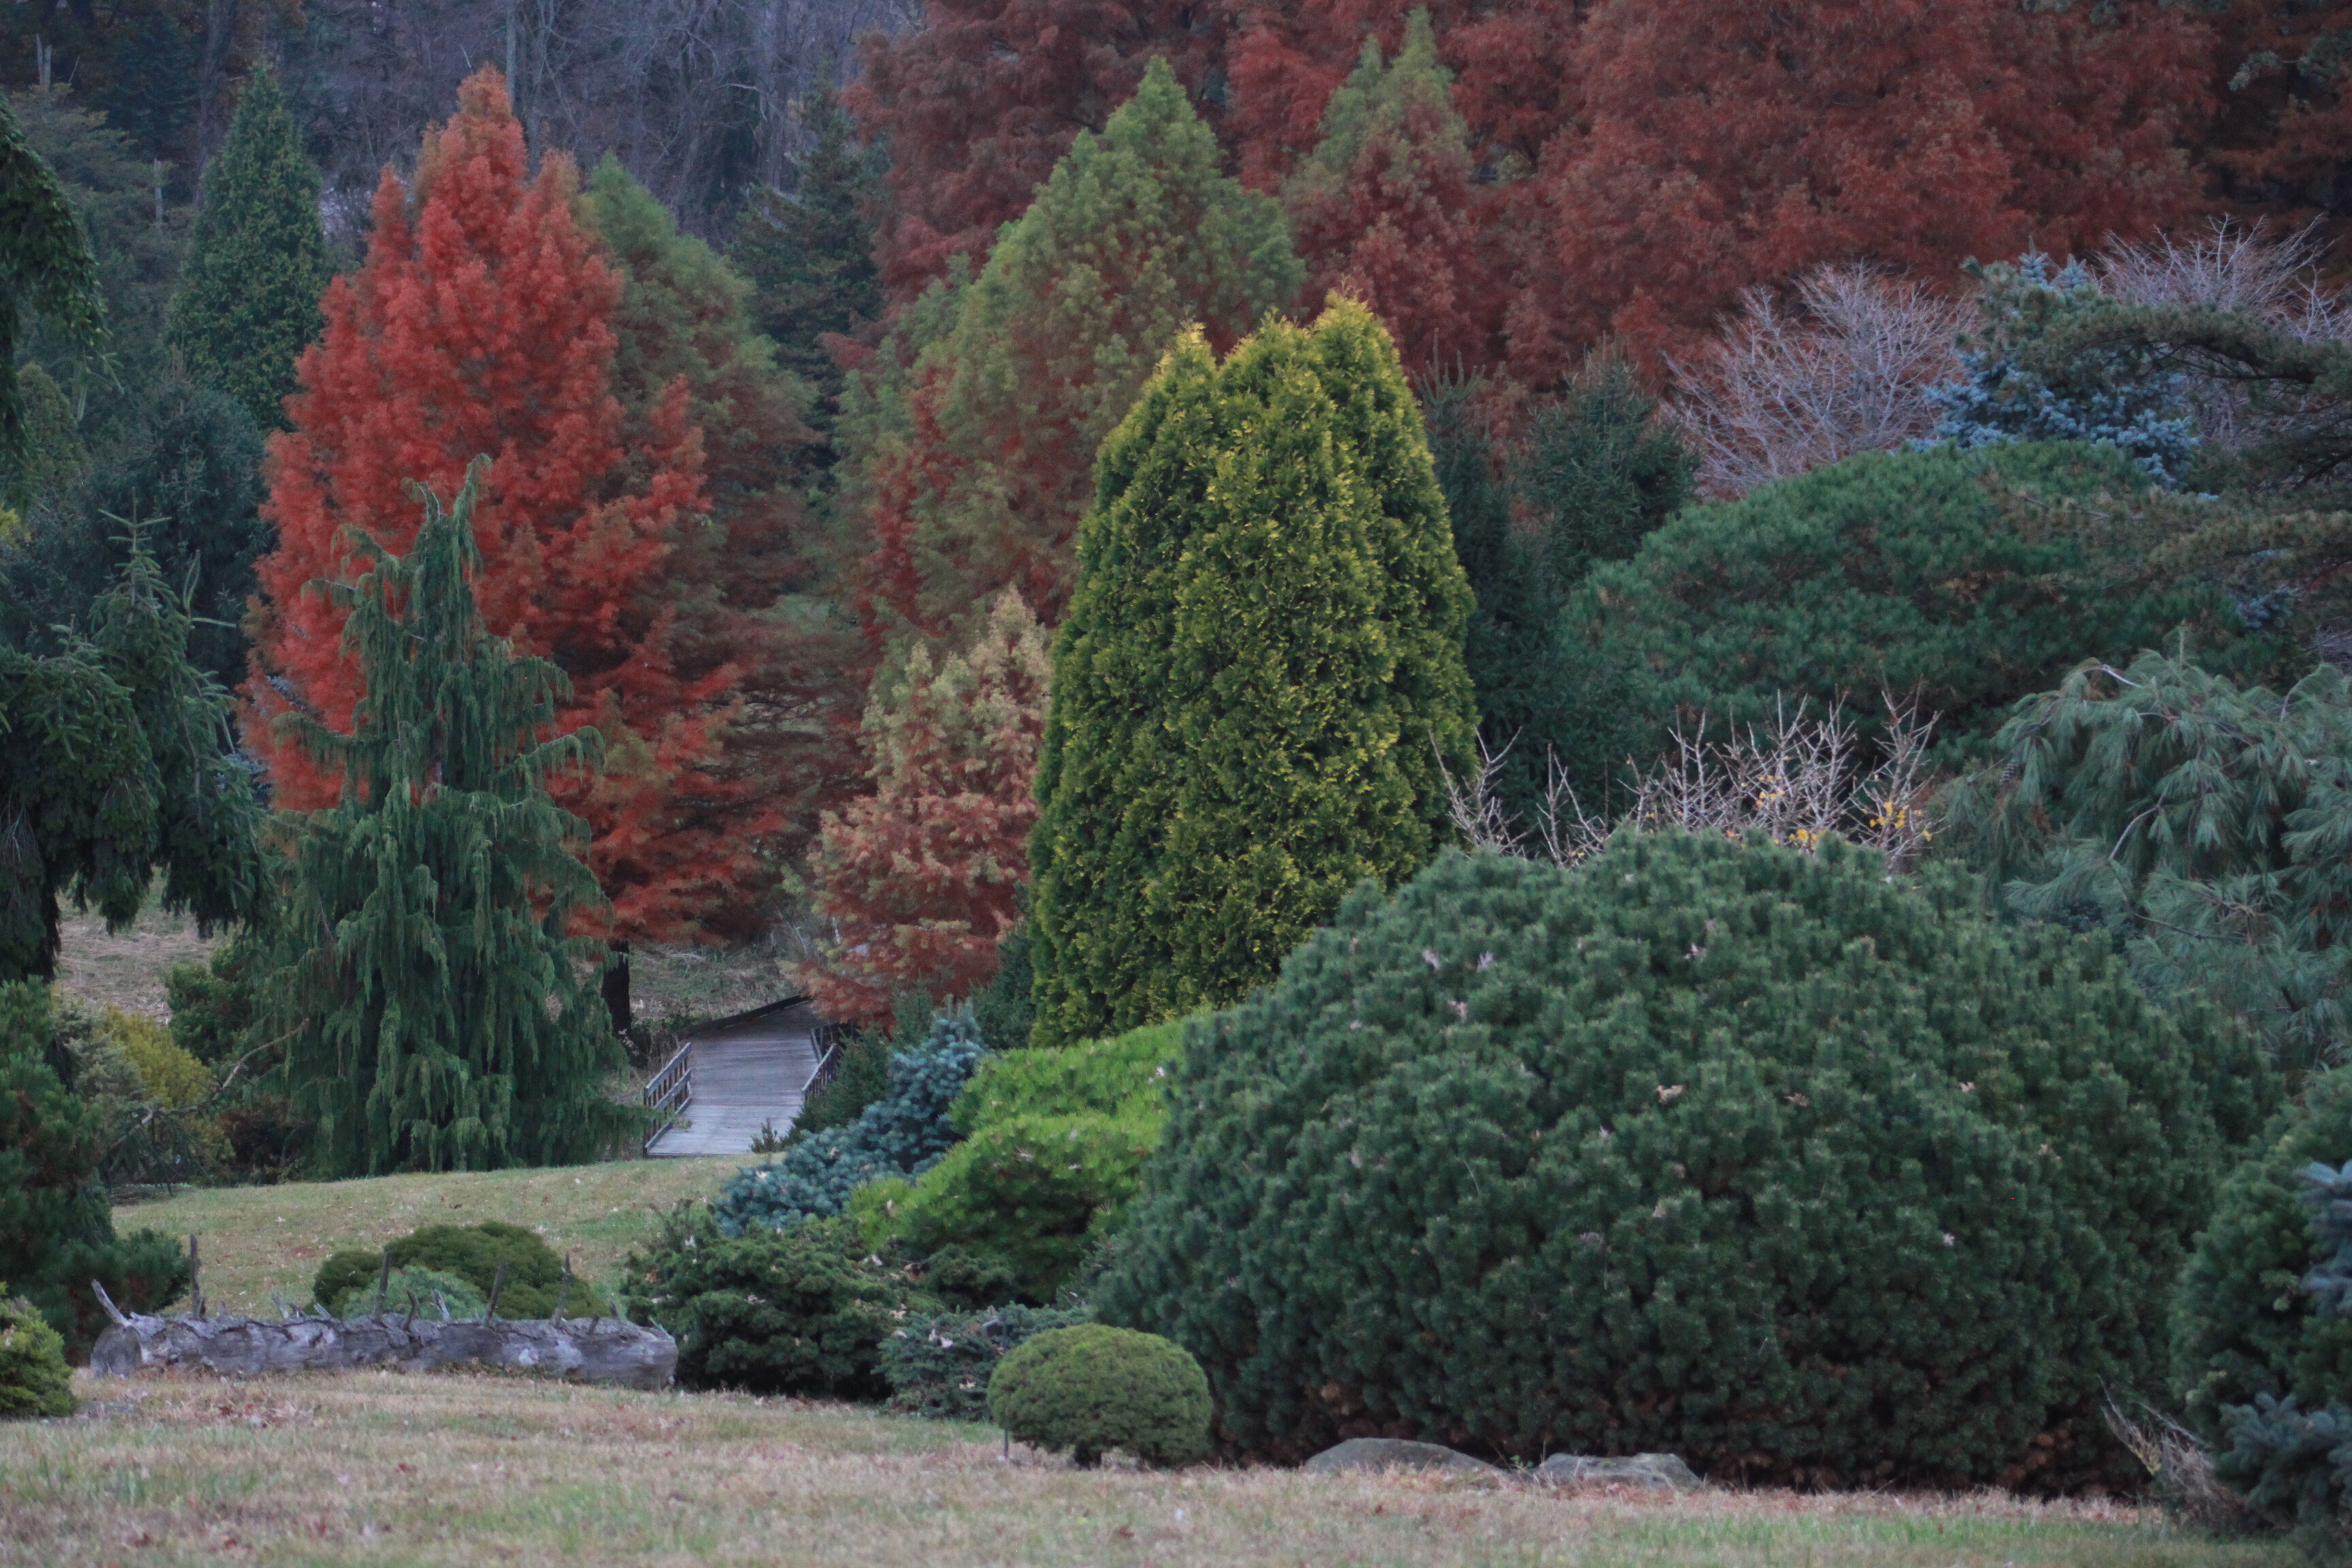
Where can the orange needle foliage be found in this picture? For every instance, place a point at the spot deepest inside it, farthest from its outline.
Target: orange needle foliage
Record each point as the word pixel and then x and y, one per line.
pixel 481 322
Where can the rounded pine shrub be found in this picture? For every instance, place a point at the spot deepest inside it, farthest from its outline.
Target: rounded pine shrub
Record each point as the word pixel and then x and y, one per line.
pixel 34 1381
pixel 1089 1388
pixel 803 1311
pixel 1719 1149
pixel 472 1253
pixel 415 1291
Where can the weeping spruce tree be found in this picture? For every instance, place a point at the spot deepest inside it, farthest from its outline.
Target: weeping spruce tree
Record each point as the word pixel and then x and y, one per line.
pixel 439 1017
pixel 1260 685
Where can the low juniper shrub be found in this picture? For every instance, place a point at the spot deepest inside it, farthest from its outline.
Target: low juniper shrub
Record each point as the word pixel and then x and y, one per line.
pixel 903 1133
pixel 1089 1388
pixel 938 1363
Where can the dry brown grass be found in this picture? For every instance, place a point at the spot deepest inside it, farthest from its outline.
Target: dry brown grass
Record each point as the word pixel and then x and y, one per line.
pixel 376 1468
pixel 257 1240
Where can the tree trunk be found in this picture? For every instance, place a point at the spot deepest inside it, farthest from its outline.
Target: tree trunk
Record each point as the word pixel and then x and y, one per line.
pixel 616 989
pixel 594 1350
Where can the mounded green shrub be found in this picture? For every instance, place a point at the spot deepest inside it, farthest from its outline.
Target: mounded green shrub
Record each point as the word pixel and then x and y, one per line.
pixel 1055 1144
pixel 791 1312
pixel 415 1291
pixel 470 1252
pixel 938 1363
pixel 34 1381
pixel 1089 1388
pixel 1941 576
pixel 1718 1149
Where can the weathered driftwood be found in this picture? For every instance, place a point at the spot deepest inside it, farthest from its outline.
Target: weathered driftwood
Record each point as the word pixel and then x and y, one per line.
pixel 594 1349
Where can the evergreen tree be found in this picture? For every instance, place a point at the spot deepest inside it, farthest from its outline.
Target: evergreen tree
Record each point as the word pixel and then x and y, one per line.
pixel 56 1233
pixel 116 760
pixel 437 1015
pixel 53 456
pixel 978 461
pixel 247 302
pixel 810 255
pixel 1260 684
pixel 47 268
pixel 188 477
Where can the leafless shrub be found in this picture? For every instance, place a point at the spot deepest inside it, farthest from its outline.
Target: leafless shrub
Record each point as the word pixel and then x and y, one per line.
pixel 2178 1466
pixel 1785 390
pixel 2230 266
pixel 1798 783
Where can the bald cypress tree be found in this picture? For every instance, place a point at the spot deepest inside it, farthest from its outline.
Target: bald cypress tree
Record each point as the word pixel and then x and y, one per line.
pixel 1260 680
pixel 441 1018
pixel 247 301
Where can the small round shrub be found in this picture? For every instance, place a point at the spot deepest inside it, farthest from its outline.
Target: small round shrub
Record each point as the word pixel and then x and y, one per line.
pixel 417 1292
pixel 1091 1388
pixel 802 1310
pixel 343 1272
pixel 472 1253
pixel 1718 1149
pixel 34 1381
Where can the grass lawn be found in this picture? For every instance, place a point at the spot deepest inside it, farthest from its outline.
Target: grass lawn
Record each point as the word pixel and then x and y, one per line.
pixel 261 1240
pixel 370 1468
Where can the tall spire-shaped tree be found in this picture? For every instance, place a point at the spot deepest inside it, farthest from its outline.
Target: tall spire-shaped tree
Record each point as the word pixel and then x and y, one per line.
pixel 247 301
pixel 1260 685
pixel 438 1015
pixel 978 457
pixel 46 267
pixel 483 321
pixel 1385 207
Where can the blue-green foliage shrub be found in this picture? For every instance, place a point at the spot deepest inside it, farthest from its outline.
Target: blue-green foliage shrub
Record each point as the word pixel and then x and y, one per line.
pixel 1089 1388
pixel 938 1363
pixel 2261 1334
pixel 1055 1142
pixel 1770 1161
pixel 2121 398
pixel 1943 577
pixel 903 1133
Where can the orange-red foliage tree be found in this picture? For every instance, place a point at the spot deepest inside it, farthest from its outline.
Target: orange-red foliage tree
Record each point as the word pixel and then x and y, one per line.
pixel 980 102
pixel 481 322
pixel 1387 209
pixel 921 878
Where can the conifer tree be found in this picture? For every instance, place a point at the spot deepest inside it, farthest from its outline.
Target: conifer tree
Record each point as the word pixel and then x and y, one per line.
pixel 923 877
pixel 979 459
pixel 247 301
pixel 1260 686
pixel 54 456
pixel 810 255
pixel 1386 207
pixel 46 268
pixel 482 322
pixel 438 1018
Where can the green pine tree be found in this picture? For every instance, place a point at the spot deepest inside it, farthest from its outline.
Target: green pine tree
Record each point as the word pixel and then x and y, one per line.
pixel 439 1017
pixel 810 255
pixel 1260 684
pixel 247 301
pixel 46 268
pixel 53 456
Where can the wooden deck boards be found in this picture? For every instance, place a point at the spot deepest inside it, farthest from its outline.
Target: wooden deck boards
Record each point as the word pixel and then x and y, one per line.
pixel 746 1073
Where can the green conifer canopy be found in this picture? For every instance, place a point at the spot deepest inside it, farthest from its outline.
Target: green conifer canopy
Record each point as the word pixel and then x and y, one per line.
pixel 1260 682
pixel 440 1017
pixel 46 267
pixel 247 302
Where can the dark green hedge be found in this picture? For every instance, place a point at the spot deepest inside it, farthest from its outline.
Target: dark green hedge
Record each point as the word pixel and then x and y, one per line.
pixel 1719 1149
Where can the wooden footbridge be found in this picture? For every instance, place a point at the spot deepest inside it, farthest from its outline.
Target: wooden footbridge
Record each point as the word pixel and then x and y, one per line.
pixel 733 1077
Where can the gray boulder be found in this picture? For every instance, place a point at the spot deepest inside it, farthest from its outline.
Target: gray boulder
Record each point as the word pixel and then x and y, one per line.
pixel 1660 1470
pixel 1396 1454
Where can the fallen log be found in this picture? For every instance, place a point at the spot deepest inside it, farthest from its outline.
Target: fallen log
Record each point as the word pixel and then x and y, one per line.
pixel 598 1350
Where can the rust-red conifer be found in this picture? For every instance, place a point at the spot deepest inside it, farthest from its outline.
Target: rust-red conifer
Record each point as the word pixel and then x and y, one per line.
pixel 481 323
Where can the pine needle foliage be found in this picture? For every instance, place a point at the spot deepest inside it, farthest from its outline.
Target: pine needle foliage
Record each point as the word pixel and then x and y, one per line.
pixel 247 301
pixel 439 1017
pixel 1260 686
pixel 1757 1157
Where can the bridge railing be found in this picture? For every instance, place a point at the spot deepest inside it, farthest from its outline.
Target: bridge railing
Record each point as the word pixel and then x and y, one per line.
pixel 667 1094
